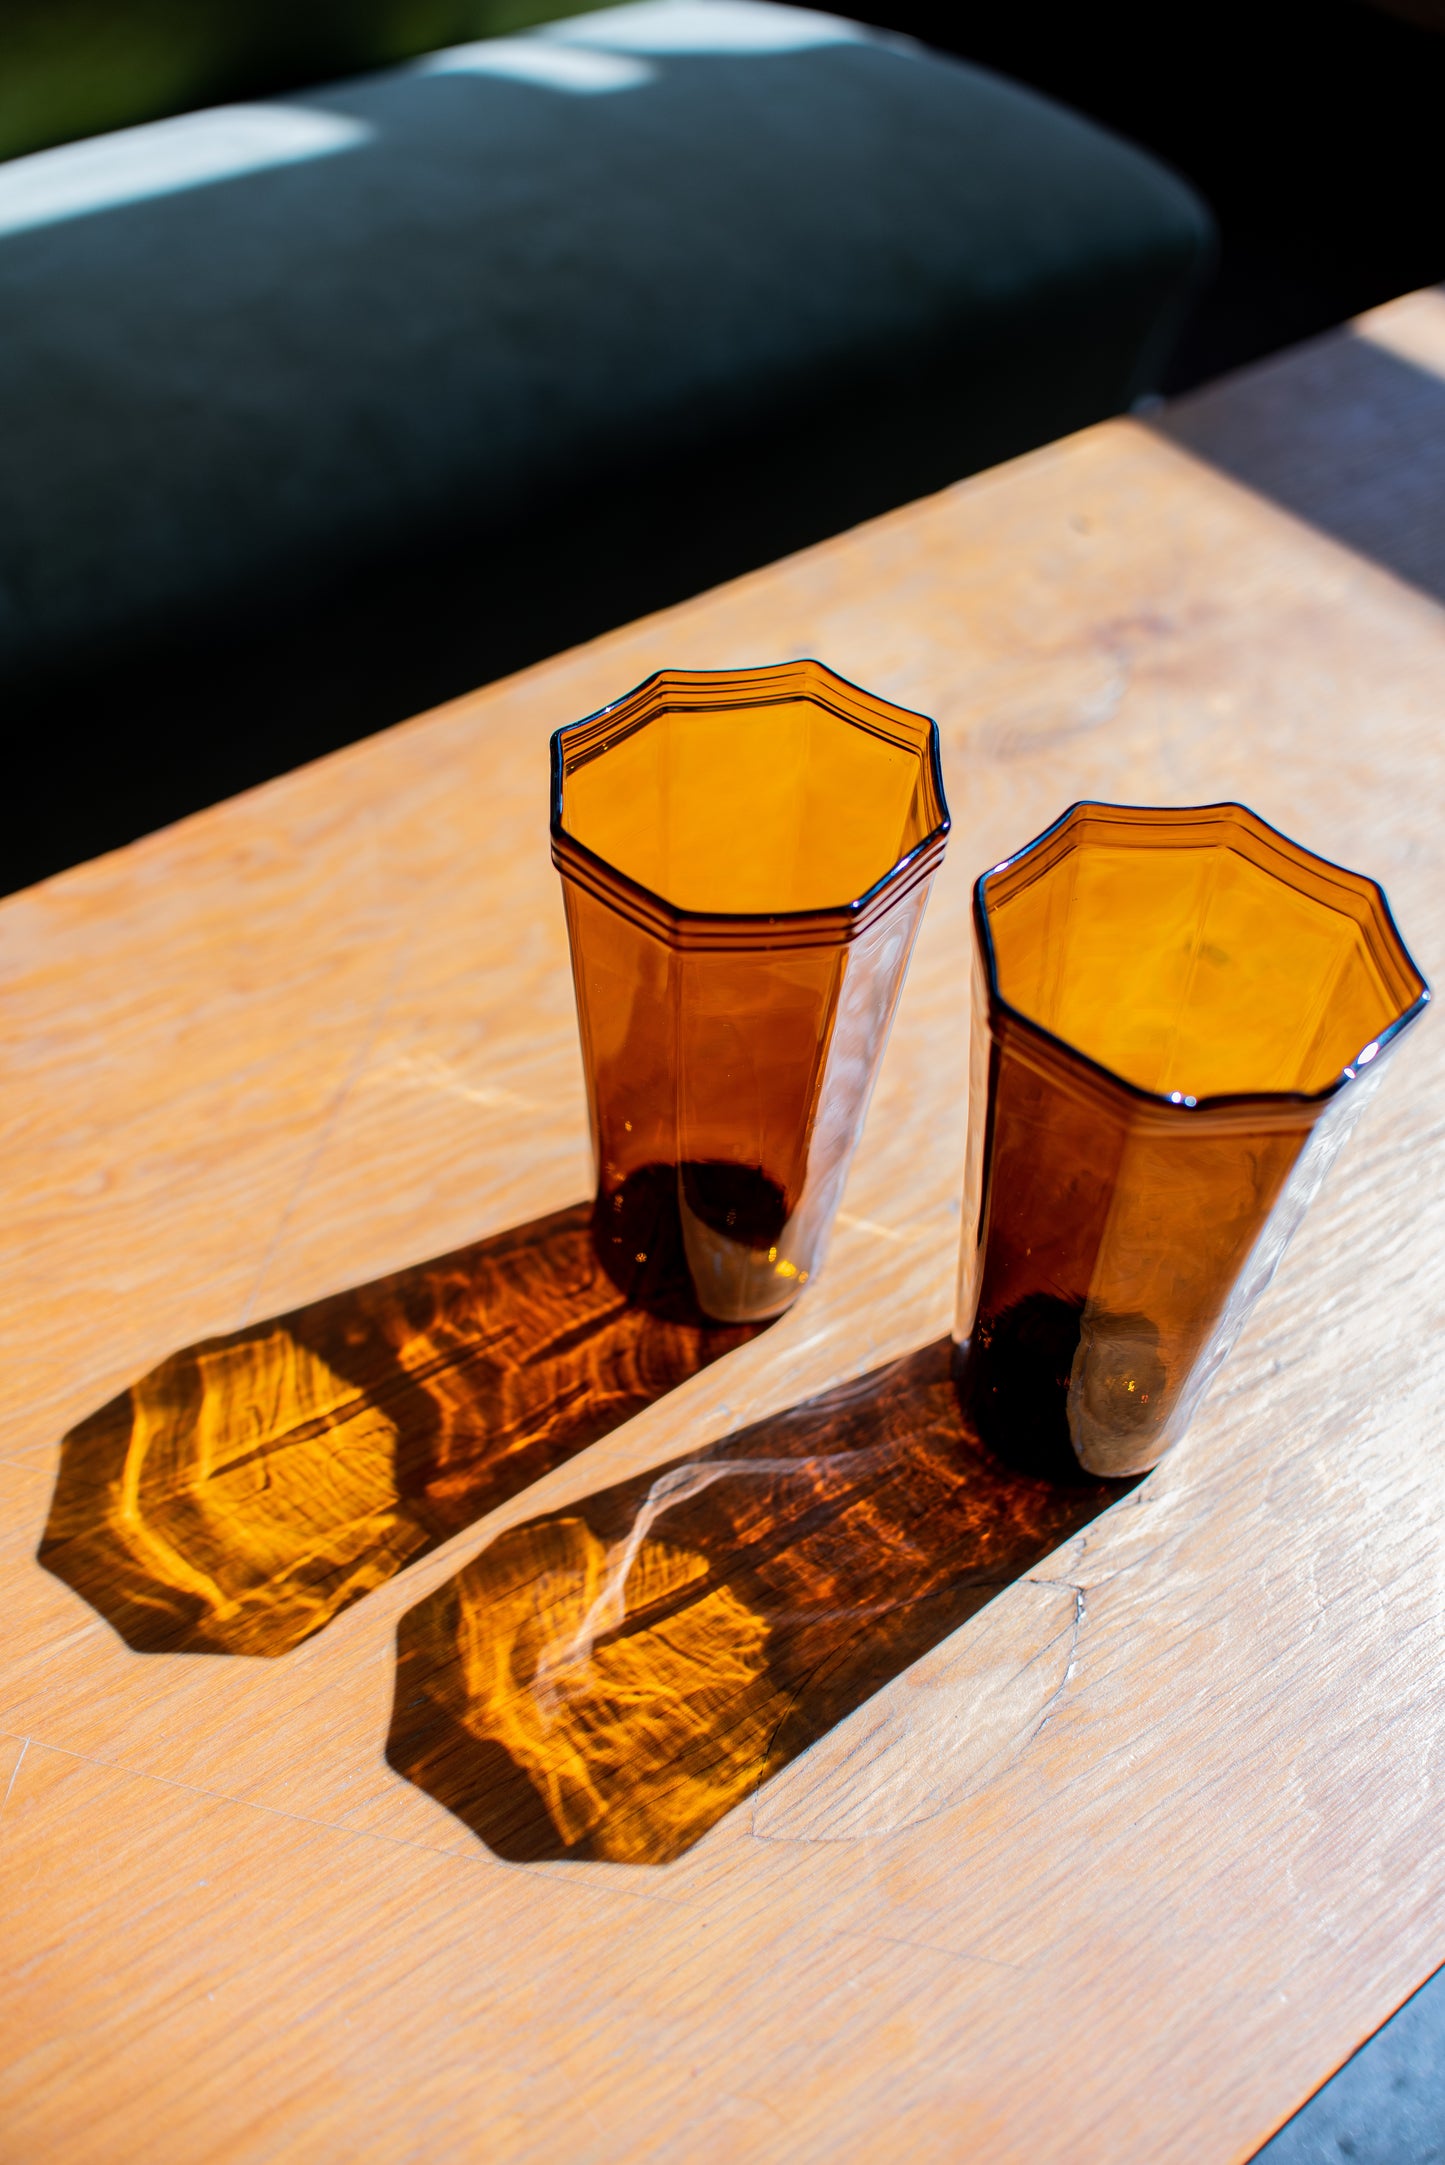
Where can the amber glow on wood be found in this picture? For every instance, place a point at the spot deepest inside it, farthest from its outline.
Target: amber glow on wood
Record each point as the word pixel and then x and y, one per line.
pixel 609 1681
pixel 250 1488
pixel 1128 1860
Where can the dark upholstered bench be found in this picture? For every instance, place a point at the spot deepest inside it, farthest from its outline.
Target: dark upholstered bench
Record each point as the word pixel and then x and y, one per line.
pixel 315 412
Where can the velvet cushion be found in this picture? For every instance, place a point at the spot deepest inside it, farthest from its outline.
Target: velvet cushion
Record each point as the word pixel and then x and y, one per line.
pixel 506 360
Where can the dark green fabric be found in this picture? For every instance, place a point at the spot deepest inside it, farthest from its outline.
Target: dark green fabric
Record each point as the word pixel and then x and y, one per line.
pixel 286 457
pixel 72 68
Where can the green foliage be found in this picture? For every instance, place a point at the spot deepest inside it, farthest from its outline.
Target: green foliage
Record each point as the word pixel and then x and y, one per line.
pixel 71 68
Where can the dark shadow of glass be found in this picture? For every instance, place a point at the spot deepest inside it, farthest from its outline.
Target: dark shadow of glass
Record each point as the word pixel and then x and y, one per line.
pixel 607 1681
pixel 251 1487
pixel 1342 433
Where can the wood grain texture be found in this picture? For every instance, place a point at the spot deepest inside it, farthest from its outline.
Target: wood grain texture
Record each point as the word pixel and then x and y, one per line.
pixel 1119 1870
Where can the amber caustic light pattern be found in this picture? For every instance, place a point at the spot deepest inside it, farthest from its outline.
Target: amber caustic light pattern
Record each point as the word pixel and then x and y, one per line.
pixel 1177 1015
pixel 745 858
pixel 608 1681
pixel 252 1487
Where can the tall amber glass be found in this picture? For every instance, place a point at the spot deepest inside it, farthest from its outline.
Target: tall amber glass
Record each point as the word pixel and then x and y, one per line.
pixel 1177 1015
pixel 745 857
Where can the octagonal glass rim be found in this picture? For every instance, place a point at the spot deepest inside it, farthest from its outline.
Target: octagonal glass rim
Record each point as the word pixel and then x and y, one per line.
pixel 761 685
pixel 1163 1101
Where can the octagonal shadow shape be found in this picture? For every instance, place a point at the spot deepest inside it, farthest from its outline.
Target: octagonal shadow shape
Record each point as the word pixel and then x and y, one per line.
pixel 608 1680
pixel 251 1487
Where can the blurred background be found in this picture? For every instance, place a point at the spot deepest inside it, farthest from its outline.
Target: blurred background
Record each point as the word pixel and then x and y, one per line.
pixel 1311 127
pixel 357 352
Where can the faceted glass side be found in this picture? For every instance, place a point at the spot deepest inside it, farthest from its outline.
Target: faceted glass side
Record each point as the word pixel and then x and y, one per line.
pixel 745 858
pixel 1176 1017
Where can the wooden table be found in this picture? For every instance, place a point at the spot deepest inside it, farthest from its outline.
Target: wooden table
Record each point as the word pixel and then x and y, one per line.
pixel 1126 1864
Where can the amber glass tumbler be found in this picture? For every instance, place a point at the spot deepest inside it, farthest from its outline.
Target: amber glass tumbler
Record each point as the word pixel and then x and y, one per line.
pixel 745 857
pixel 1176 1017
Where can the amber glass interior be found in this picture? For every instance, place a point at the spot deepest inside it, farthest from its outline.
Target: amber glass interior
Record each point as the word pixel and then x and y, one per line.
pixel 745 857
pixel 1172 1011
pixel 774 806
pixel 1199 954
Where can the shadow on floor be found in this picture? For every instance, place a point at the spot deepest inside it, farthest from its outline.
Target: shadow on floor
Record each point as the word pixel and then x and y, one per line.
pixel 1384 2106
pixel 247 1490
pixel 607 1681
pixel 1342 433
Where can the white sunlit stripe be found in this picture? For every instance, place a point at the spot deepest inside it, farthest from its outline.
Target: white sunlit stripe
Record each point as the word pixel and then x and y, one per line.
pixel 164 157
pixel 1412 329
pixel 550 66
pixel 704 26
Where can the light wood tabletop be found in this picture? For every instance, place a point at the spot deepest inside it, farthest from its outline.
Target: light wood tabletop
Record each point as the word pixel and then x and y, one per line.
pixel 1121 1865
